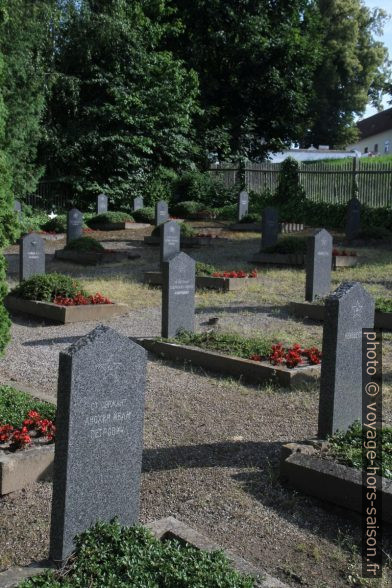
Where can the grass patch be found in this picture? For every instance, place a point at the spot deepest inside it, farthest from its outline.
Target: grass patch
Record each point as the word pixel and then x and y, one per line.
pixel 229 343
pixel 347 449
pixel 112 555
pixel 122 289
pixel 14 406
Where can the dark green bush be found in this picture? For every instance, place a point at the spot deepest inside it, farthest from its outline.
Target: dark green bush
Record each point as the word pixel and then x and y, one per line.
pixel 202 187
pixel 228 212
pixel 288 245
pixel 384 304
pixel 84 244
pixel 131 557
pixel 204 269
pixel 14 406
pixel 160 186
pixel 106 218
pixel 144 215
pixel 55 225
pixel 186 208
pixel 46 287
pixel 376 233
pixel 187 230
pixel 253 217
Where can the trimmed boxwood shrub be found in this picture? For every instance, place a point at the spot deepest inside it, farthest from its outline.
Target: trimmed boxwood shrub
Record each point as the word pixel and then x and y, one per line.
pixel 376 233
pixel 84 244
pixel 252 217
pixel 186 230
pixel 107 218
pixel 186 208
pixel 204 269
pixel 46 287
pixel 144 215
pixel 112 555
pixel 288 245
pixel 55 225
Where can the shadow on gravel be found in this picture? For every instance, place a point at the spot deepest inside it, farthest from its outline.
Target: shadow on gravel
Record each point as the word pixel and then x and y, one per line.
pixel 52 341
pixel 269 310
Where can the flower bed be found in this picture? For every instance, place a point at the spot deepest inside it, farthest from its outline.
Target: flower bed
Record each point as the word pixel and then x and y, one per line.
pixel 114 221
pixel 290 357
pixel 60 298
pixel 344 258
pixel 230 354
pixel 27 434
pixel 208 277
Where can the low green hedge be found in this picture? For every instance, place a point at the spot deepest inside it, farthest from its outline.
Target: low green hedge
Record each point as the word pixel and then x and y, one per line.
pixel 84 244
pixel 55 225
pixel 376 233
pixel 144 215
pixel 186 230
pixel 14 406
pixel 107 218
pixel 131 557
pixel 204 269
pixel 186 208
pixel 288 245
pixel 253 217
pixel 46 287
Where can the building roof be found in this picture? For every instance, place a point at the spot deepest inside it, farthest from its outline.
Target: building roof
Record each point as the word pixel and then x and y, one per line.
pixel 378 123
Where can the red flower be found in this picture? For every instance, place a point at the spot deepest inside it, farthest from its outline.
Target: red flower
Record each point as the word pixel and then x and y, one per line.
pixel 277 354
pixel 5 432
pixel 313 355
pixel 255 357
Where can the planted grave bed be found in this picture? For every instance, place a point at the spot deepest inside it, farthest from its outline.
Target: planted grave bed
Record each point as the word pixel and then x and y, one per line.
pixel 114 221
pixel 332 470
pixel 315 311
pixel 207 277
pixel 188 237
pixel 27 434
pixel 254 360
pixel 168 553
pixel 60 298
pixel 292 251
pixel 88 251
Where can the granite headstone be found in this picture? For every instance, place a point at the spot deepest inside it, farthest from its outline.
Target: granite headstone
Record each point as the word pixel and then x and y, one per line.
pixel 161 212
pixel 138 203
pixel 18 209
pixel 99 441
pixel 347 311
pixel 269 227
pixel 74 225
pixel 242 204
pixel 353 219
pixel 318 265
pixel 170 235
pixel 102 203
pixel 31 256
pixel 178 295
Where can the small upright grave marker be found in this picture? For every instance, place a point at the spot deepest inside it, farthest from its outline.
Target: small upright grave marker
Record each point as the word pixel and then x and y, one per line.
pixel 74 224
pixel 347 311
pixel 31 256
pixel 161 212
pixel 102 203
pixel 99 440
pixel 138 203
pixel 170 240
pixel 178 295
pixel 242 204
pixel 18 209
pixel 318 265
pixel 269 227
pixel 353 219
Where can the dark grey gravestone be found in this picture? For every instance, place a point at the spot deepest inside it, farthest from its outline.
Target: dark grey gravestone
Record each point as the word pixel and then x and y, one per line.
pixel 347 311
pixel 102 203
pixel 269 227
pixel 161 212
pixel 74 224
pixel 178 295
pixel 18 209
pixel 99 442
pixel 170 240
pixel 353 219
pixel 242 204
pixel 318 265
pixel 31 256
pixel 138 203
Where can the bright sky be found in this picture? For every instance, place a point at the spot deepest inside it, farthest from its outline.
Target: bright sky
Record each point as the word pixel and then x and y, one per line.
pixel 386 39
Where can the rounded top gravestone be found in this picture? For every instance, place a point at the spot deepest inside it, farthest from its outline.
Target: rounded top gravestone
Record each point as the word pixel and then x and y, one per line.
pixel 242 204
pixel 102 203
pixel 74 224
pixel 170 235
pixel 31 256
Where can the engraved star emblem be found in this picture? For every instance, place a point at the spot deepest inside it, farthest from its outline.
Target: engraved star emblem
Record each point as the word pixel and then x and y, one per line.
pixel 357 308
pixel 324 241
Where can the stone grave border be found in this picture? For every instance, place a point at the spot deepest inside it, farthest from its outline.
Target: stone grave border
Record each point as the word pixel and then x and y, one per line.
pixel 257 372
pixel 121 226
pixel 162 529
pixel 298 259
pixel 327 479
pixel 382 320
pixel 64 314
pixel 93 257
pixel 186 242
pixel 207 282
pixel 285 228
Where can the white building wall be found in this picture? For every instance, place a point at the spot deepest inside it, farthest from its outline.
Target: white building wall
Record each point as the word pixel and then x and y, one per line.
pixel 383 141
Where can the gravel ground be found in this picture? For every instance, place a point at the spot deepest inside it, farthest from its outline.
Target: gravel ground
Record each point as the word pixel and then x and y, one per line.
pixel 211 454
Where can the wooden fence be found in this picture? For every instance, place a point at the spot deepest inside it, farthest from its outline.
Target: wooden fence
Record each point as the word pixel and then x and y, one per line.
pixel 322 181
